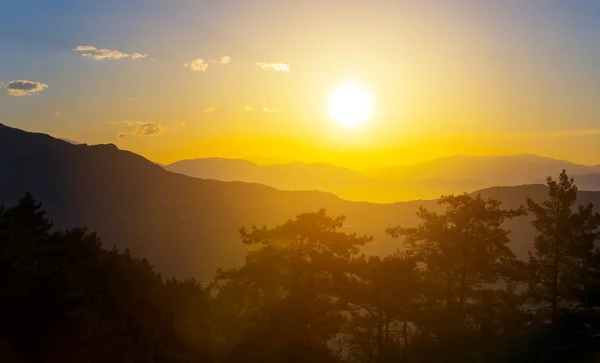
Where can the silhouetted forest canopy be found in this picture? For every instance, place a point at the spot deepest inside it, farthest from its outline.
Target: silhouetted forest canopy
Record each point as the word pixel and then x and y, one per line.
pixel 453 292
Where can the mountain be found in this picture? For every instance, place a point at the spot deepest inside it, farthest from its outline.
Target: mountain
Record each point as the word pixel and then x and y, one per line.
pixel 492 169
pixel 187 226
pixel 288 176
pixel 426 180
pixel 588 182
pixel 345 183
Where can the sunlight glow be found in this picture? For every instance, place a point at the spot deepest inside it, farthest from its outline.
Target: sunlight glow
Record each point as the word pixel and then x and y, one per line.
pixel 350 105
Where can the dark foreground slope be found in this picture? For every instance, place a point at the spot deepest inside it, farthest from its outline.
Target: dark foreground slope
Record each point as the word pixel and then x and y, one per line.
pixel 187 226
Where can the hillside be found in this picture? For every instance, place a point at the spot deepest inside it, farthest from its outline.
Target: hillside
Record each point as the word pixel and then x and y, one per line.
pixel 184 225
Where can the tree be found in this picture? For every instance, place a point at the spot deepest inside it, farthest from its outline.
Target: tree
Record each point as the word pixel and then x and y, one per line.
pixel 64 298
pixel 34 293
pixel 463 253
pixel 562 264
pixel 286 292
pixel 382 297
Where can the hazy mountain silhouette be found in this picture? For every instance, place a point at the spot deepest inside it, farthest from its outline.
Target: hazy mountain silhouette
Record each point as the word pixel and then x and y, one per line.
pixel 426 180
pixel 588 182
pixel 184 225
pixel 492 169
pixel 345 183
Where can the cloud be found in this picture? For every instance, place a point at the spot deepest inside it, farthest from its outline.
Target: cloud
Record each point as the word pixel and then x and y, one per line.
pixel 210 109
pixel 90 51
pixel 85 48
pixel 198 65
pixel 203 65
pixel 248 108
pixel 102 54
pixel 132 99
pixel 142 129
pixel 267 109
pixel 148 129
pixel 23 88
pixel 277 67
pixel 114 123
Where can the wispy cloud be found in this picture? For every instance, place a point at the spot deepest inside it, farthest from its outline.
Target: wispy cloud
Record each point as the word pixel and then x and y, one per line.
pixel 248 108
pixel 148 129
pixel 23 87
pixel 267 109
pixel 142 129
pixel 210 109
pixel 90 51
pixel 202 65
pixel 277 67
pixel 199 64
pixel 84 48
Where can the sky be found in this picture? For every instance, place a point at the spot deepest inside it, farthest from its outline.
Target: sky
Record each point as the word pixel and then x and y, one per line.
pixel 181 79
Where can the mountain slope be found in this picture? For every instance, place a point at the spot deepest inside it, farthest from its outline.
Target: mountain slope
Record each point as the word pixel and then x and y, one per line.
pixel 188 226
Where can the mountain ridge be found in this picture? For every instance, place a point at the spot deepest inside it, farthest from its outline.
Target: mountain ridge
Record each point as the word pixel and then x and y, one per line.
pixel 187 226
pixel 429 180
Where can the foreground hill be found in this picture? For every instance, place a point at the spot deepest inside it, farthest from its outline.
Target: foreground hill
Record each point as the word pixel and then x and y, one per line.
pixel 183 225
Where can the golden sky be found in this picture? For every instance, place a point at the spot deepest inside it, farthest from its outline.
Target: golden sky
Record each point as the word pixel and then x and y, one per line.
pixel 250 79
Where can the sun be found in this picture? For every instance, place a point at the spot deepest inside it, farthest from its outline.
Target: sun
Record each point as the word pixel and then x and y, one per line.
pixel 350 105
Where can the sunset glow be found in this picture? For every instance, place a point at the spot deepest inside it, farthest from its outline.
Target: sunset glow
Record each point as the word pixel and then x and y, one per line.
pixel 355 83
pixel 306 181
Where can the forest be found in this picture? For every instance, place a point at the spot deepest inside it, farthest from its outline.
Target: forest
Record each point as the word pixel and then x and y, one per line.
pixel 453 292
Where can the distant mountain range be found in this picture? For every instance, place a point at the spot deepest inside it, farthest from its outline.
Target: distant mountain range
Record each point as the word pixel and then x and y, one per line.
pixel 188 226
pixel 426 180
pixel 495 169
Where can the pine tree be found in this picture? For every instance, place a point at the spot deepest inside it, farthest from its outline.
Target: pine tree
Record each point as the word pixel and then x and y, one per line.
pixel 562 263
pixel 464 251
pixel 285 294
